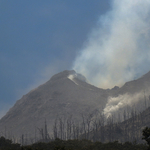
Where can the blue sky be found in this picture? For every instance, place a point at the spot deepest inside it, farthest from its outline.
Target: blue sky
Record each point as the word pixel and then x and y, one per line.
pixel 39 38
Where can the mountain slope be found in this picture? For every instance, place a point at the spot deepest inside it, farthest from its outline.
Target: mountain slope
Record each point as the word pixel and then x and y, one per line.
pixel 66 93
pixel 61 95
pixel 128 130
pixel 135 86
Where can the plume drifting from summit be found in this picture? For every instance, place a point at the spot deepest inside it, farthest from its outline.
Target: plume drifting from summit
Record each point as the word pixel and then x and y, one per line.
pixel 117 49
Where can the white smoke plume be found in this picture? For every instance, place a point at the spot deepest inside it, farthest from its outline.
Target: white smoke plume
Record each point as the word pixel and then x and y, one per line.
pixel 116 103
pixel 118 49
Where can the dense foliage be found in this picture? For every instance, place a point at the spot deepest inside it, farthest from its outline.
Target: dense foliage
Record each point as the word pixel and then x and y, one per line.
pixel 146 136
pixel 58 144
pixel 6 144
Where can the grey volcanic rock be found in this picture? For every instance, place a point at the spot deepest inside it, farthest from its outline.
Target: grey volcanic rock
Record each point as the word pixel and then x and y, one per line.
pixel 132 87
pixel 66 93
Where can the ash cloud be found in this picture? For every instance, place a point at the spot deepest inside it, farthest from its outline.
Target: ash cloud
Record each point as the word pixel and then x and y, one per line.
pixel 117 50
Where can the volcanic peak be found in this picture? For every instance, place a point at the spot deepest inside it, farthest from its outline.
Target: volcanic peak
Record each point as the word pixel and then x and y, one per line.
pixel 71 74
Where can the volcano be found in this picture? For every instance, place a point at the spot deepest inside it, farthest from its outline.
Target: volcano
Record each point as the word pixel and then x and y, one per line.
pixel 65 94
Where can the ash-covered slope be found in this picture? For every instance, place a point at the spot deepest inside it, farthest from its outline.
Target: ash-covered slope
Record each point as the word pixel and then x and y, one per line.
pixel 133 94
pixel 135 86
pixel 128 130
pixel 66 93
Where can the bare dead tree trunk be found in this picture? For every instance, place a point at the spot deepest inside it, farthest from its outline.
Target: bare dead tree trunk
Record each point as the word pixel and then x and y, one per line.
pixel 22 139
pixel 55 129
pixel 41 132
pixel 88 121
pixel 61 128
pixel 84 126
pixel 69 127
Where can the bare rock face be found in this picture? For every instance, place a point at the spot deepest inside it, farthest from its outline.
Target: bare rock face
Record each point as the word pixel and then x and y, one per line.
pixel 66 93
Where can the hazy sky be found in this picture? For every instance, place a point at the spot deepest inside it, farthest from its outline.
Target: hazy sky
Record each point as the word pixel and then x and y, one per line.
pixel 39 38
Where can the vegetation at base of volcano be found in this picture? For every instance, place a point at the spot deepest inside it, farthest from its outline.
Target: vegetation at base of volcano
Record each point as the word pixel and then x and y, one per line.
pixel 91 134
pixel 58 144
pixel 6 144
